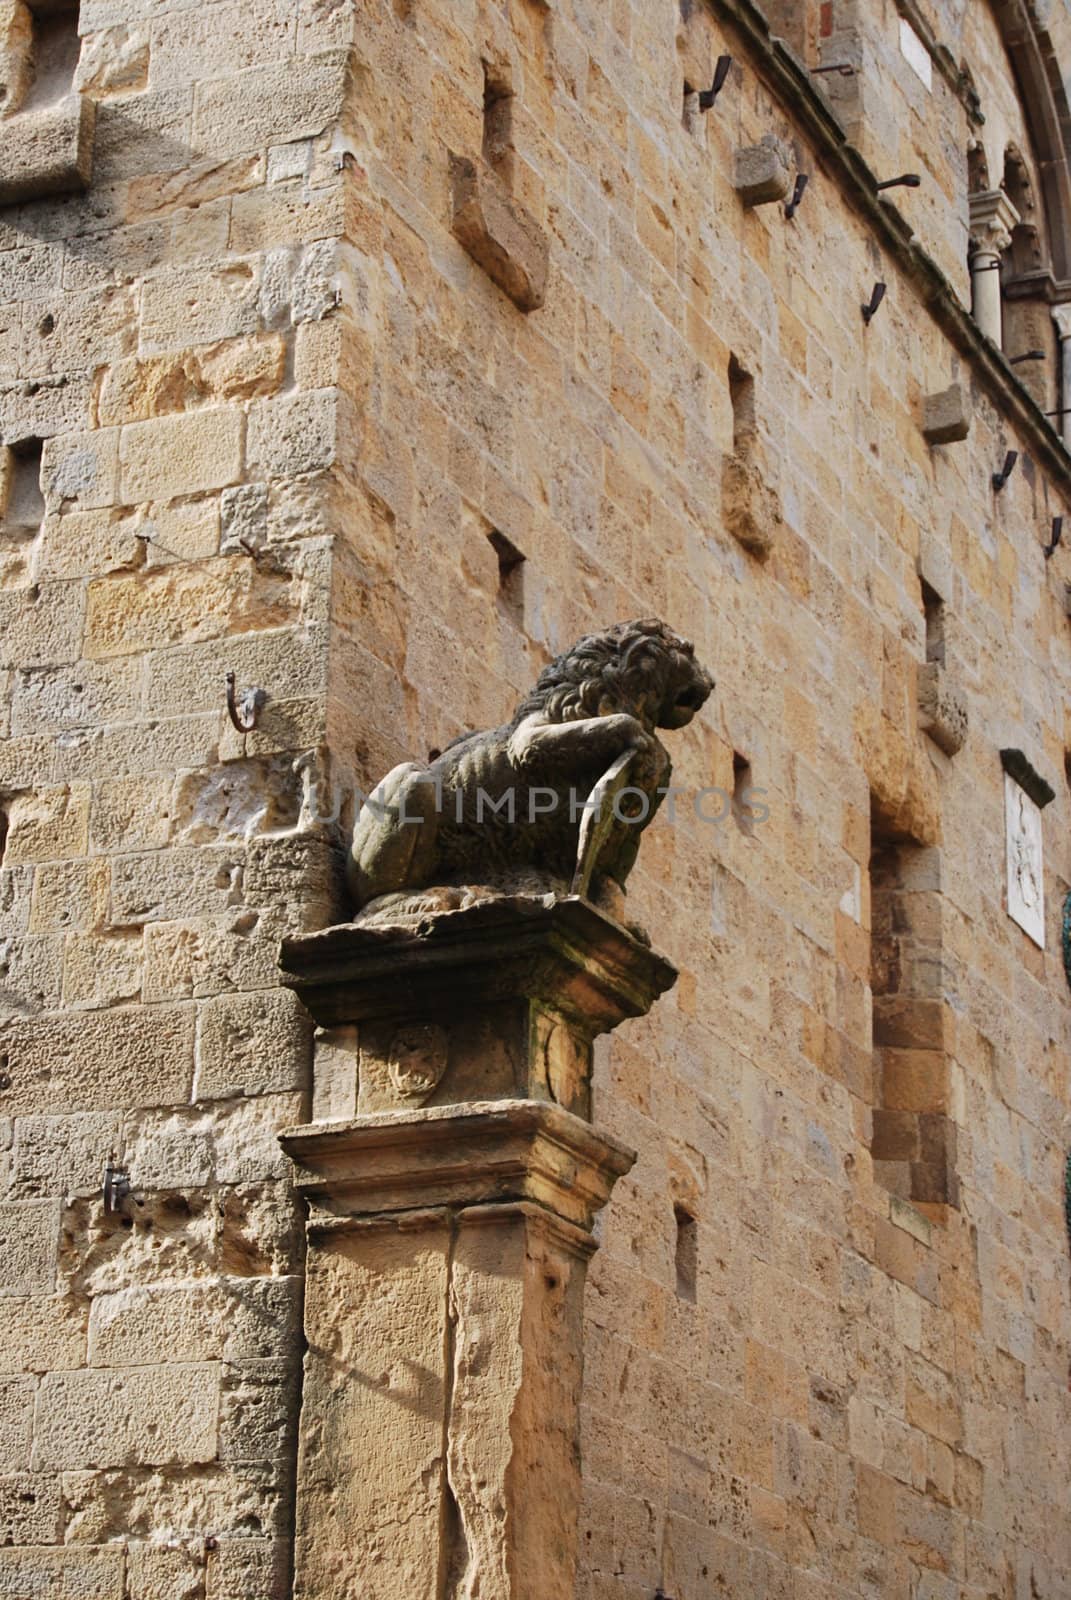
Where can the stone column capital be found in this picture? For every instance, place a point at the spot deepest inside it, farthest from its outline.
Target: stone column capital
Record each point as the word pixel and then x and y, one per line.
pixel 992 218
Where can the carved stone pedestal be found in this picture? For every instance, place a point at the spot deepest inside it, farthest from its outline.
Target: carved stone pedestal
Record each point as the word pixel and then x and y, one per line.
pixel 448 1247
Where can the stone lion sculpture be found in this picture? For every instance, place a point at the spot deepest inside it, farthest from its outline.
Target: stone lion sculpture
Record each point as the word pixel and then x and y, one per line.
pixel 554 802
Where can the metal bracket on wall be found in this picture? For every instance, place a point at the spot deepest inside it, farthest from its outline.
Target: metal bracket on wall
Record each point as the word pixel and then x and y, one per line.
pixel 1000 478
pixel 870 310
pixel 1057 534
pixel 114 1189
pixel 707 97
pixel 793 205
pixel 244 710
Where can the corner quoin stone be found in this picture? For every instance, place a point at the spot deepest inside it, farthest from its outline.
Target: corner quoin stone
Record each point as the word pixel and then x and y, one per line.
pixel 499 234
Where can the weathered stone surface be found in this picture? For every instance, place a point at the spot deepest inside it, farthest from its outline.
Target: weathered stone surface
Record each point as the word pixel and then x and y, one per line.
pixel 48 151
pixel 149 1415
pixel 499 234
pixel 252 1044
pixel 946 417
pixel 942 708
pixel 762 172
pixel 231 1319
pixel 29 1237
pixel 98 1060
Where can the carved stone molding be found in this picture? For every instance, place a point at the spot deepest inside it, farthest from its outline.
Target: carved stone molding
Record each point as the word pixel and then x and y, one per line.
pixel 992 218
pixel 519 986
pixel 490 1153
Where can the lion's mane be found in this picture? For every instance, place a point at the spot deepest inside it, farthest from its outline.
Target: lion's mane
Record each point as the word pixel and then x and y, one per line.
pixel 625 668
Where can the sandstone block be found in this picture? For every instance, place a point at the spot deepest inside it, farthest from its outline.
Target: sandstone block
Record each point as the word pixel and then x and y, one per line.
pixel 262 106
pixel 91 1574
pixel 63 1155
pixel 294 435
pixel 30 1509
pixel 499 234
pixel 942 708
pixel 179 604
pixel 103 969
pixel 151 1416
pixel 16 1420
pixel 252 1044
pixel 946 417
pixel 69 895
pixel 258 1411
pixel 42 1333
pixel 80 543
pixel 47 151
pixel 113 61
pixel 750 507
pixel 41 627
pixel 191 307
pixel 762 172
pixel 169 456
pixel 87 1062
pixel 159 886
pixel 249 1569
pixel 175 1571
pixel 243 514
pixel 48 700
pixel 80 468
pixel 236 800
pixel 32 970
pixel 130 814
pixel 48 824
pixel 232 1319
pixel 16 55
pixel 29 1238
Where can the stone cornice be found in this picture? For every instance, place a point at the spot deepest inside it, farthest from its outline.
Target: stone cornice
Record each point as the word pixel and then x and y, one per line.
pixel 460 1155
pixel 789 82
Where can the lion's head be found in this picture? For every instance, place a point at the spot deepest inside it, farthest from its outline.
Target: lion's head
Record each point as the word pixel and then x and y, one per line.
pixel 641 668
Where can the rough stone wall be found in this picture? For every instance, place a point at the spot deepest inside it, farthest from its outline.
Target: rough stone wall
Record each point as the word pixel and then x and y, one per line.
pixel 168 358
pixel 854 1396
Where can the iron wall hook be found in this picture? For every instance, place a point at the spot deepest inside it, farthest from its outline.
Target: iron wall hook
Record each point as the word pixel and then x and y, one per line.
pixel 1027 355
pixel 870 310
pixel 1057 534
pixel 244 711
pixel 793 205
pixel 114 1189
pixel 843 69
pixel 707 97
pixel 906 180
pixel 1000 478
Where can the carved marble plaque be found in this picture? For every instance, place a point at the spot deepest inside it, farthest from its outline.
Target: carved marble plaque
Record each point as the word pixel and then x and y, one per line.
pixel 1026 883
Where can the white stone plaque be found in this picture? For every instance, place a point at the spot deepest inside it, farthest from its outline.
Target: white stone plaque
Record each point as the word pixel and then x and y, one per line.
pixel 915 53
pixel 1026 882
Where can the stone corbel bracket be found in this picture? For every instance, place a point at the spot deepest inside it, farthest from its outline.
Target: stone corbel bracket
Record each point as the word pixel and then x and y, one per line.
pixel 762 172
pixel 751 508
pixel 47 151
pixel 946 416
pixel 942 709
pixel 498 233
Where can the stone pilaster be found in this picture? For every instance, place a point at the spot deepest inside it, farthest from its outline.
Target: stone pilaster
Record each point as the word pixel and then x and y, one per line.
pixel 449 1233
